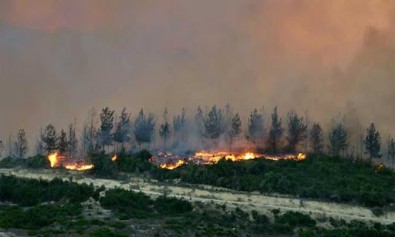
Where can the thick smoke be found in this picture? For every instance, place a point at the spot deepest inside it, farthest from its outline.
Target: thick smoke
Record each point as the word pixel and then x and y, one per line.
pixel 60 58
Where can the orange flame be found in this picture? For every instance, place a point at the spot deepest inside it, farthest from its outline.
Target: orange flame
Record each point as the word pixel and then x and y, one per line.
pixel 114 158
pixel 53 160
pixel 78 167
pixel 379 167
pixel 57 160
pixel 172 166
pixel 213 158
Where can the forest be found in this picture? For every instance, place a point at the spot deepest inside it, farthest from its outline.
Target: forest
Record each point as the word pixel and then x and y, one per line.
pixel 343 165
pixel 210 129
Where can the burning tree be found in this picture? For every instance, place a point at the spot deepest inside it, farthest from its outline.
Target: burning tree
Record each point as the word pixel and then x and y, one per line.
pixel 50 138
pixel 121 134
pixel 107 124
pixel 317 138
pixel 21 144
pixel 338 139
pixel 276 131
pixel 143 128
pixel 164 130
pixel 256 130
pixel 297 131
pixel 372 142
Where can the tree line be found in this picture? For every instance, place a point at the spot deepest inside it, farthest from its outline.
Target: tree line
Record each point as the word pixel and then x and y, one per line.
pixel 207 129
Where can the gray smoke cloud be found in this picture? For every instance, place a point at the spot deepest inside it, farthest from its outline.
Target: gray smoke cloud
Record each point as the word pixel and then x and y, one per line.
pixel 60 58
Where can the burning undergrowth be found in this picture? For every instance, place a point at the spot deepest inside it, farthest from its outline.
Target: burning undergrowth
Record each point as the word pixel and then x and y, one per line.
pixel 172 161
pixel 57 160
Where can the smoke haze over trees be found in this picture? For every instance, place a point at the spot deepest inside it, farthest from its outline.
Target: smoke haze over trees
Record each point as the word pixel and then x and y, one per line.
pixel 67 56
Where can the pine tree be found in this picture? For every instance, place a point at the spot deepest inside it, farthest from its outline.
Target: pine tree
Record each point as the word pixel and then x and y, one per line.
pixel 39 147
pixel 316 138
pixel 107 124
pixel 297 131
pixel 72 139
pixel 10 149
pixel 50 138
pixel 338 139
pixel 143 128
pixel 21 144
pixel 214 124
pixel 256 130
pixel 372 142
pixel 391 150
pixel 164 130
pixel 234 130
pixel 121 134
pixel 90 132
pixel 199 120
pixel 63 145
pixel 276 131
pixel 1 148
pixel 179 127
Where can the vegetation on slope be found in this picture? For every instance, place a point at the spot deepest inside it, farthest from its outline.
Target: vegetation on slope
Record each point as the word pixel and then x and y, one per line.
pixel 318 177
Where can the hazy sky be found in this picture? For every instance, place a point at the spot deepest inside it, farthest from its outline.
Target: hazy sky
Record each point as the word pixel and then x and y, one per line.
pixel 58 58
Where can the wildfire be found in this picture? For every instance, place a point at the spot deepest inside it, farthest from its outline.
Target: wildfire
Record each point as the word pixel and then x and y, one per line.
pixel 114 157
pixel 78 167
pixel 57 160
pixel 213 158
pixel 53 160
pixel 171 161
pixel 379 167
pixel 172 166
pixel 298 157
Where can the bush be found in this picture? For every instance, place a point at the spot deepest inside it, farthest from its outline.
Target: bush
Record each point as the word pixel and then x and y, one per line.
pixel 36 217
pixel 295 219
pixel 128 204
pixel 29 192
pixel 171 206
pixel 103 165
pixel 377 211
pixel 37 162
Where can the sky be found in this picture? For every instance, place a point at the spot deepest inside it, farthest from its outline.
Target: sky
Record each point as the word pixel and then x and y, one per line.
pixel 59 58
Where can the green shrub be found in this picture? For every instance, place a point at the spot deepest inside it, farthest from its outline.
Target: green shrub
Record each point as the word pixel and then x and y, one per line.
pixel 128 204
pixel 295 219
pixel 378 211
pixel 30 192
pixel 172 206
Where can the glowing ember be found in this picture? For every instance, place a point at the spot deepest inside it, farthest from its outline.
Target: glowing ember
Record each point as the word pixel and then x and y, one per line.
pixel 78 167
pixel 379 167
pixel 57 160
pixel 114 158
pixel 299 156
pixel 172 166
